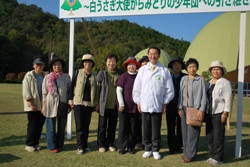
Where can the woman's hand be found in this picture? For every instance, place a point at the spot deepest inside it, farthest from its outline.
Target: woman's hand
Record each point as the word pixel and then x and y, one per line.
pixel 121 108
pixel 201 116
pixel 224 117
pixel 180 112
pixel 97 108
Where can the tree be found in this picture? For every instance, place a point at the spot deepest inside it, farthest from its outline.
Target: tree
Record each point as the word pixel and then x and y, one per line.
pixel 71 5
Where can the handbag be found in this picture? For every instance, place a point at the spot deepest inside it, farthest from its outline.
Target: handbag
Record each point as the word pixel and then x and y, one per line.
pixel 63 108
pixel 192 113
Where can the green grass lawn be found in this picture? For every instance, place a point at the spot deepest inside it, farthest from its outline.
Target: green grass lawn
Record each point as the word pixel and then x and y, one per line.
pixel 13 129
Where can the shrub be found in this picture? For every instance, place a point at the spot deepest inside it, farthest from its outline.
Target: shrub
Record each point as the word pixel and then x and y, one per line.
pixel 20 76
pixel 11 78
pixel 1 77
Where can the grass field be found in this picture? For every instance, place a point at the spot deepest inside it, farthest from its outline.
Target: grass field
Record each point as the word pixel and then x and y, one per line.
pixel 13 129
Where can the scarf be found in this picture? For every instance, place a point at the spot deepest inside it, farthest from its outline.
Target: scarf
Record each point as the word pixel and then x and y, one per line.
pixel 51 80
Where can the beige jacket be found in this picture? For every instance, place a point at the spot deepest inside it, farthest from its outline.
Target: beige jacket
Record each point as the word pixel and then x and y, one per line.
pixel 52 100
pixel 30 91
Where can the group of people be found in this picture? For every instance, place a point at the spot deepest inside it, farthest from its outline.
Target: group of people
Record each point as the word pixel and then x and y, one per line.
pixel 138 97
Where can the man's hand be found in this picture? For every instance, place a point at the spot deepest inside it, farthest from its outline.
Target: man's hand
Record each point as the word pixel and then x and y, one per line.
pixel 164 108
pixel 139 107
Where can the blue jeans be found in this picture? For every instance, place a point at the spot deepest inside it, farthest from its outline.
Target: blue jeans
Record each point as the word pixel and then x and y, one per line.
pixel 55 139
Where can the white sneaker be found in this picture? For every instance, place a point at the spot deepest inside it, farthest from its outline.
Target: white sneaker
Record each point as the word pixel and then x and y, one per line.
pixel 79 151
pixel 209 160
pixel 146 154
pixel 87 149
pixel 156 155
pixel 102 150
pixel 30 148
pixel 214 162
pixel 112 148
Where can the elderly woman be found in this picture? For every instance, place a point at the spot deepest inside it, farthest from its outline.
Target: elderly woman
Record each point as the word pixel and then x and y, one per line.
pixel 107 122
pixel 193 94
pixel 128 113
pixel 32 99
pixel 219 95
pixel 56 86
pixel 83 98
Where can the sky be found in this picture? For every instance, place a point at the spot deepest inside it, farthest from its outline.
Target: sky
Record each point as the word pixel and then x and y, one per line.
pixel 179 26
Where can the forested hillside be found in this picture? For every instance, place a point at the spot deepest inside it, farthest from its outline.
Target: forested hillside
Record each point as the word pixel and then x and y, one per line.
pixel 26 31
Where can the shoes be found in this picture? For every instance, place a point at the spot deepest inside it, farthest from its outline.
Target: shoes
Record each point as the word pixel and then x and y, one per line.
pixel 146 154
pixel 30 148
pixel 102 150
pixel 59 149
pixel 171 152
pixel 38 147
pixel 156 155
pixel 54 151
pixel 121 152
pixel 214 162
pixel 186 160
pixel 139 146
pixel 131 151
pixel 209 160
pixel 112 148
pixel 87 149
pixel 182 156
pixel 80 151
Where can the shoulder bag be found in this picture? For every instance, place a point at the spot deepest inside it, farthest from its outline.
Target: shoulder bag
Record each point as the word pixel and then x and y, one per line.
pixel 192 113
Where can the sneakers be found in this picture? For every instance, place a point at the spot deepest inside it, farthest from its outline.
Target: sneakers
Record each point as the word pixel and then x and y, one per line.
pixel 112 148
pixel 80 151
pixel 30 148
pixel 209 160
pixel 146 154
pixel 156 155
pixel 214 162
pixel 102 150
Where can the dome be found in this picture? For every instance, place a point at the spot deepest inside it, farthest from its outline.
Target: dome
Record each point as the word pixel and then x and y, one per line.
pixel 219 40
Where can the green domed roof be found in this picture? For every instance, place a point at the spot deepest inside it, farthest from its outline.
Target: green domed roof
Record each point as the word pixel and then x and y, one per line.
pixel 219 40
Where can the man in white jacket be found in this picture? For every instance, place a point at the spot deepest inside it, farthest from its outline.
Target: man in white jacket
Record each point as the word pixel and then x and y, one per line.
pixel 153 90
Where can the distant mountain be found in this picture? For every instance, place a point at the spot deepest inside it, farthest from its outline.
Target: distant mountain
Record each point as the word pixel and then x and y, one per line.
pixel 27 31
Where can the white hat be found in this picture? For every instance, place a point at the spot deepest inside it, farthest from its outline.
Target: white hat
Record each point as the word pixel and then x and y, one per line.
pixel 88 57
pixel 217 63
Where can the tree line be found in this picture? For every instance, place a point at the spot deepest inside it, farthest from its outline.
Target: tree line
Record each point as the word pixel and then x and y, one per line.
pixel 27 31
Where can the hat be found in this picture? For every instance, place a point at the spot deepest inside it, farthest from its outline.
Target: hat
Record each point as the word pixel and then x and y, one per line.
pixel 130 60
pixel 217 63
pixel 176 59
pixel 144 58
pixel 54 59
pixel 38 60
pixel 88 57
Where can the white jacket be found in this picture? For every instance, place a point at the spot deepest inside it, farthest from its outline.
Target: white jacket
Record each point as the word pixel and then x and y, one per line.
pixel 153 89
pixel 222 96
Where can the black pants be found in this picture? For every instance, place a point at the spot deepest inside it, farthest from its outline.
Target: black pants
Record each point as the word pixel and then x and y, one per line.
pixel 82 118
pixel 34 127
pixel 215 135
pixel 139 129
pixel 152 131
pixel 106 128
pixel 127 130
pixel 174 128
